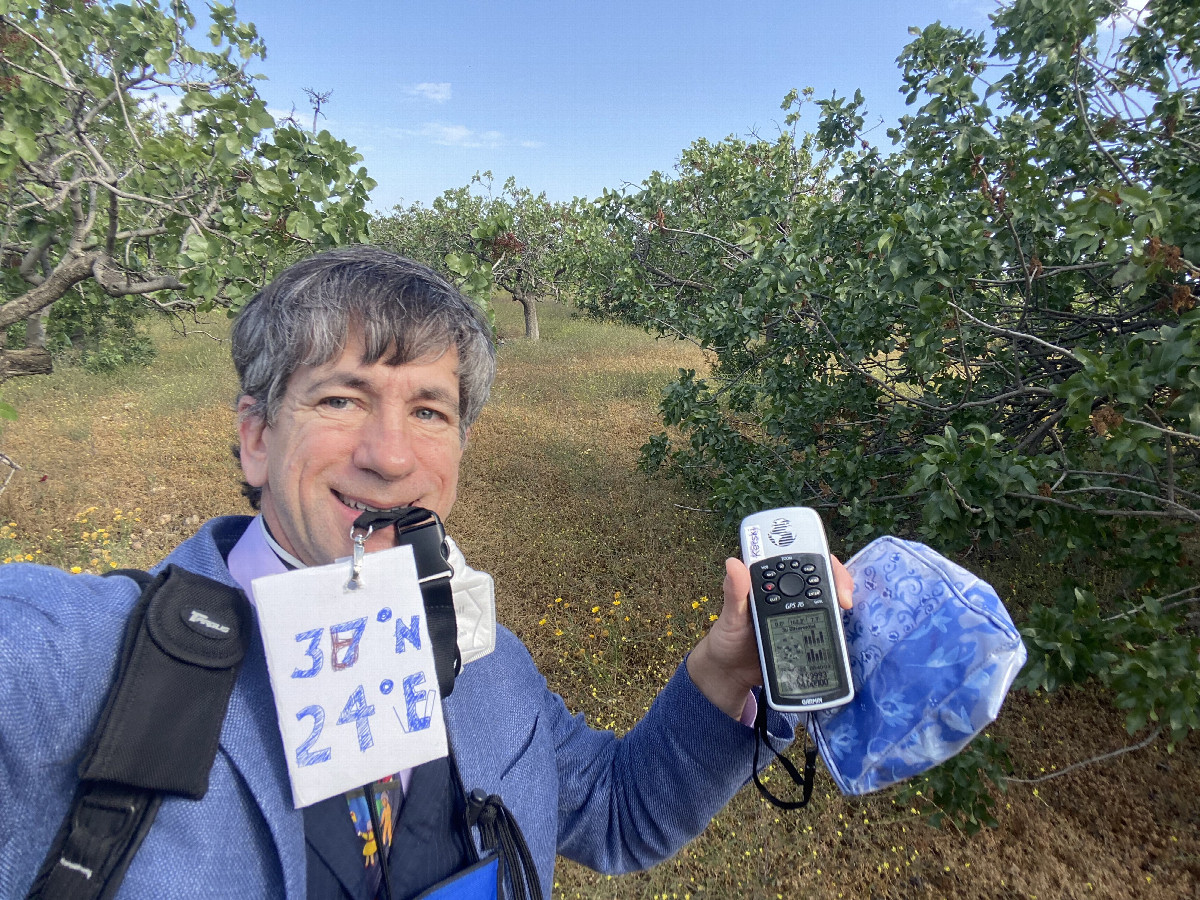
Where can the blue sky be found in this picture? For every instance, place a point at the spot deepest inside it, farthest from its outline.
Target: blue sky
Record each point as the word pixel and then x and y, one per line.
pixel 572 97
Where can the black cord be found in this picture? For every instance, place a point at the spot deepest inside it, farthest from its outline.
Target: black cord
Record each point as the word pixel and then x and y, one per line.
pixel 499 831
pixel 810 763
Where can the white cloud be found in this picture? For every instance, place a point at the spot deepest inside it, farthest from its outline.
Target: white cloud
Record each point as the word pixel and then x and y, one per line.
pixel 1130 13
pixel 436 91
pixel 460 136
pixel 447 134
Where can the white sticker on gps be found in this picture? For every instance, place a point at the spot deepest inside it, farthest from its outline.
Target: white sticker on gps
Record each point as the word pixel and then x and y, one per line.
pixel 754 544
pixel 352 671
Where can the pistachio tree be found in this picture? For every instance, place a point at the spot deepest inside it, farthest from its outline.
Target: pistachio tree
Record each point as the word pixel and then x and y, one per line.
pixel 134 164
pixel 985 337
pixel 509 240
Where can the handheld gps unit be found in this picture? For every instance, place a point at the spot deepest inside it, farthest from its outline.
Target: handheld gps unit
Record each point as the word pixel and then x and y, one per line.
pixel 797 623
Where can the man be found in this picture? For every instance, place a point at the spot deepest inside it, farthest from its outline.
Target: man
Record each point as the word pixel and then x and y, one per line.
pixel 361 375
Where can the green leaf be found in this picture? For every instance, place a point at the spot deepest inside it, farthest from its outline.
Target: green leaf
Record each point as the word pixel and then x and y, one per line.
pixel 299 224
pixel 268 181
pixel 22 140
pixel 461 263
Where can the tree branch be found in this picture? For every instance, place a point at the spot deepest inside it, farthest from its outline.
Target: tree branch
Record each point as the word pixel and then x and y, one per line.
pixel 116 283
pixel 69 272
pixel 1141 745
pixel 1184 515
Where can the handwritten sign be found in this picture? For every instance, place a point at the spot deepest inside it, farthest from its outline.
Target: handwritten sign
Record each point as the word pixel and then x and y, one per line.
pixel 352 672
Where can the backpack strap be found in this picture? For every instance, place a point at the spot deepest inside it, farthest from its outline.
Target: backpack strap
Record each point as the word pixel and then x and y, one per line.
pixel 158 731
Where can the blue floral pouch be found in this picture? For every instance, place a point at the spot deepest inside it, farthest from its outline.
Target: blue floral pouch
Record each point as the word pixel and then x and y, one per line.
pixel 933 653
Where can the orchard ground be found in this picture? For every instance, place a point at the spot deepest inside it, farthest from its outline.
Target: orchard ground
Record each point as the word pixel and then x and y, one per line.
pixel 610 576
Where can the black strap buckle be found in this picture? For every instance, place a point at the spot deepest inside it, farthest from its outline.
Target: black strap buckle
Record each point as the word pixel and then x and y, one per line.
pixel 91 853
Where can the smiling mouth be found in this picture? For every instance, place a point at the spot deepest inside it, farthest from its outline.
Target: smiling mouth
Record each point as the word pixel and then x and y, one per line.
pixel 366 507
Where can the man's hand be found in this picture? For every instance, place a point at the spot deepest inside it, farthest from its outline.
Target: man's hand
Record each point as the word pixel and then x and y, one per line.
pixel 724 665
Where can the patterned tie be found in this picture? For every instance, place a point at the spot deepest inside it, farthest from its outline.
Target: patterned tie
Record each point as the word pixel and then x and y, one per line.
pixel 387 796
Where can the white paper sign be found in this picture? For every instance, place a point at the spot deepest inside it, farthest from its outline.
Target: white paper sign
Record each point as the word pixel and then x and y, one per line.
pixel 352 672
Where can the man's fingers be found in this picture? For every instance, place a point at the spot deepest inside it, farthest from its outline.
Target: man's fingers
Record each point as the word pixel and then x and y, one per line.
pixel 843 581
pixel 736 588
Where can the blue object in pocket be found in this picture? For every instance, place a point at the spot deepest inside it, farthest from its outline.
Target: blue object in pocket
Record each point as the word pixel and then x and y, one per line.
pixel 933 653
pixel 480 881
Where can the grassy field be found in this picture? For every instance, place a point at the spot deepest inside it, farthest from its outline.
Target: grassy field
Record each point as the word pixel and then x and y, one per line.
pixel 610 576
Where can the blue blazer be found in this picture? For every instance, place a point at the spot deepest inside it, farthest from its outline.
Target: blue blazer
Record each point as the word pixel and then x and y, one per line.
pixel 613 804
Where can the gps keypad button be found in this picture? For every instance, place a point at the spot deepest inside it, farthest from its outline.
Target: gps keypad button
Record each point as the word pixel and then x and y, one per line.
pixel 791 585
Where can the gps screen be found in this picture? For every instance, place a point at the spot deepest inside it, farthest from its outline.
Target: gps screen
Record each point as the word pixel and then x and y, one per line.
pixel 803 647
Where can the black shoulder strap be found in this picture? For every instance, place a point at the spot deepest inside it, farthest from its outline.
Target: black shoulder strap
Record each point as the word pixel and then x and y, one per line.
pixel 423 531
pixel 158 731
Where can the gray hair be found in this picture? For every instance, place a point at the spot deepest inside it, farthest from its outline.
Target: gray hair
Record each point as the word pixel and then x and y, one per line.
pixel 404 311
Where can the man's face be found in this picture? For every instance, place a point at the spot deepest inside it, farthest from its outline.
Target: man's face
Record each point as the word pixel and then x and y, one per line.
pixel 350 436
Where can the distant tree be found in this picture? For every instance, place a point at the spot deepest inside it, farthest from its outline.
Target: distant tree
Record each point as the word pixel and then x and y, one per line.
pixel 511 241
pixel 133 164
pixel 672 255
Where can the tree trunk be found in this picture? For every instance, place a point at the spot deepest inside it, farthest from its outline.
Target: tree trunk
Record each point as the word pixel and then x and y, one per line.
pixel 30 361
pixel 35 329
pixel 531 320
pixel 68 273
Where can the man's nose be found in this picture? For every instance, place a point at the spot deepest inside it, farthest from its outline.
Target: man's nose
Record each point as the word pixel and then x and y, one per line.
pixel 385 445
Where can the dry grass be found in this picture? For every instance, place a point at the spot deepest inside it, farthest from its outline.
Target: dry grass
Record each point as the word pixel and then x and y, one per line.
pixel 610 579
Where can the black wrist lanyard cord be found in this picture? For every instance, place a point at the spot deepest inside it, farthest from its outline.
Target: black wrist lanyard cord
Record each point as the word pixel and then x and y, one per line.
pixel 761 736
pixel 385 881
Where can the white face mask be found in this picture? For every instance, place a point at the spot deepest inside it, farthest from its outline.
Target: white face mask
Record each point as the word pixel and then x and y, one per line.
pixel 474 607
pixel 933 653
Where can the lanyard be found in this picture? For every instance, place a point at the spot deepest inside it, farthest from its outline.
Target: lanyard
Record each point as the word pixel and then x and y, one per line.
pixel 423 531
pixel 810 764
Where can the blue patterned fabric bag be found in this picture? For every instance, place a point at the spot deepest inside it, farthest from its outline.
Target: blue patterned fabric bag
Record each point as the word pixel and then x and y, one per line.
pixel 933 653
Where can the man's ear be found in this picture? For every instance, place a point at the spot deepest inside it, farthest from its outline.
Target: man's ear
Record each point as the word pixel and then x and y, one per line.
pixel 252 440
